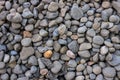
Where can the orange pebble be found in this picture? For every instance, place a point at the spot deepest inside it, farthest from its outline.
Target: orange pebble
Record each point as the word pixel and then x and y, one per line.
pixel 48 54
pixel 27 34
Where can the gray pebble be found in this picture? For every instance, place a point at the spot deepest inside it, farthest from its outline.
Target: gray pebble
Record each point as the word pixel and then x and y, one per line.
pixel 43 32
pixel 80 78
pixel 62 41
pixel 82 29
pixel 76 12
pixel 80 67
pixel 72 63
pixel 69 75
pixel 27 13
pixel 5 76
pixel 98 40
pixel 32 60
pixel 109 72
pixel 85 54
pixel 57 67
pixel 33 69
pixel 52 15
pixel 85 46
pixel 2 65
pixel 99 77
pixel 73 46
pixel 26 42
pixel 91 32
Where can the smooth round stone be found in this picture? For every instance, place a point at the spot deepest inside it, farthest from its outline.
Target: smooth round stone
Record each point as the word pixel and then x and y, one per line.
pixel 104 50
pixel 114 18
pixel 69 75
pixel 33 69
pixel 61 29
pixel 104 32
pixel 83 19
pixel 2 65
pixel 98 40
pixel 89 24
pixel 57 67
pixel 105 4
pixel 76 12
pixel 26 42
pixel 53 6
pixel 82 29
pixel 85 46
pixel 97 69
pixel 13 52
pixel 29 27
pixel 34 2
pixel 109 72
pixel 8 5
pixel 80 67
pixel 92 76
pixel 84 54
pixel 90 12
pixel 91 32
pixel 99 77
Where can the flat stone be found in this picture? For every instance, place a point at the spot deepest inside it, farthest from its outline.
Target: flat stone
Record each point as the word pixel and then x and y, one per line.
pixel 61 29
pixel 85 54
pixel 26 52
pixel 85 46
pixel 70 54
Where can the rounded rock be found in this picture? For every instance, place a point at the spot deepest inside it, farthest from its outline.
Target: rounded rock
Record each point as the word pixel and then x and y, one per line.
pixel 26 41
pixel 48 54
pixel 53 6
pixel 70 54
pixel 98 40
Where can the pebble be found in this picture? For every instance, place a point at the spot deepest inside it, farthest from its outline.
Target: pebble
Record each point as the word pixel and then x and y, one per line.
pixel 97 69
pixel 53 6
pixel 13 52
pixel 5 76
pixel 76 12
pixel 99 77
pixel 23 78
pixel 70 54
pixel 6 58
pixel 109 72
pixel 85 46
pixel 14 17
pixel 98 40
pixel 73 46
pixel 62 29
pixel 69 75
pixel 43 71
pixel 84 54
pixel 116 6
pixel 2 65
pixel 72 63
pixel 17 69
pixel 26 42
pixel 43 33
pixel 82 29
pixel 29 27
pixel 26 52
pixel 48 54
pixel 8 5
pixel 57 67
pixel 106 4
pixel 36 38
pixel 27 13
pixel 41 65
pixel 33 69
pixel 51 15
pixel 91 32
pixel 43 23
pixel 80 67
pixel 104 50
pixel 32 60
pixel 49 43
pixel 80 78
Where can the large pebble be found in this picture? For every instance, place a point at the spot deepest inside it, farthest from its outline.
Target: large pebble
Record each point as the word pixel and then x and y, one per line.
pixel 53 6
pixel 76 12
pixel 91 32
pixel 57 67
pixel 98 40
pixel 26 52
pixel 2 65
pixel 116 5
pixel 82 29
pixel 80 78
pixel 109 72
pixel 43 32
pixel 14 17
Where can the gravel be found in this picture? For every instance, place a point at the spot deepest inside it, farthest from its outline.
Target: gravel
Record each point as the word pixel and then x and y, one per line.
pixel 59 40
